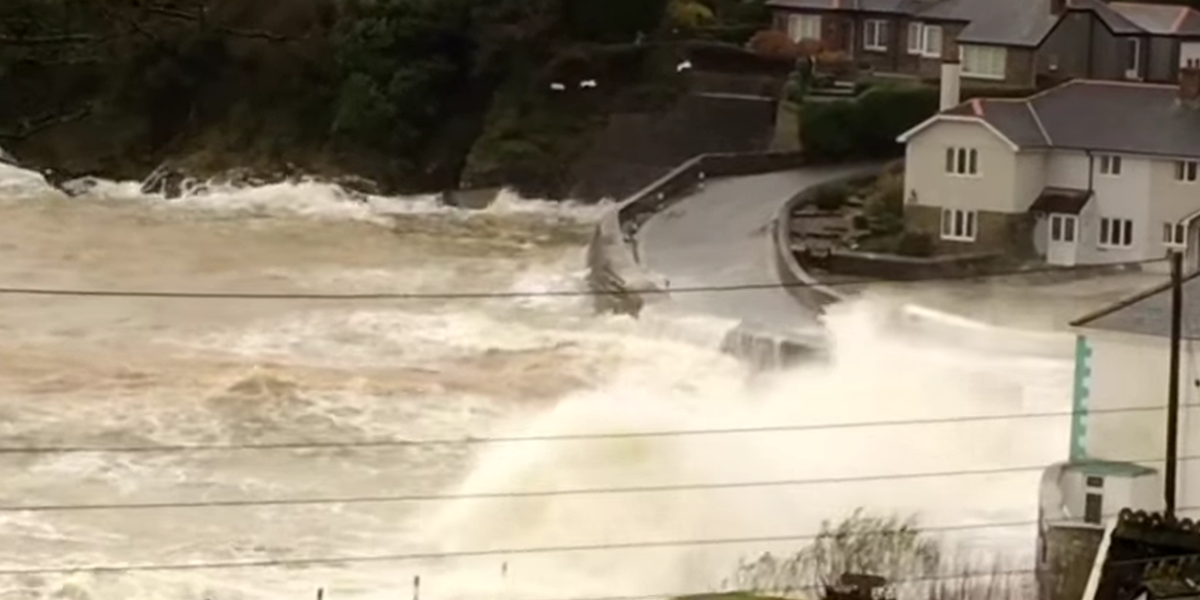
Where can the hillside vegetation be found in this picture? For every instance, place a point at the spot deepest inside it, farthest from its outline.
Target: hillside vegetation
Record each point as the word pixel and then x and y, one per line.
pixel 405 92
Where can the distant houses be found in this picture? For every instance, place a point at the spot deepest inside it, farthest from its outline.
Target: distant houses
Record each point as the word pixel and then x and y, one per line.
pixel 1016 43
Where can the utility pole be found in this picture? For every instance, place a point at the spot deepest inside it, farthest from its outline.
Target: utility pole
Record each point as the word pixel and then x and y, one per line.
pixel 1173 383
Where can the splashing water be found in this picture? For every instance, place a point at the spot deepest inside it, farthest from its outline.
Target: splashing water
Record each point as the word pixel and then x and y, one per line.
pixel 88 371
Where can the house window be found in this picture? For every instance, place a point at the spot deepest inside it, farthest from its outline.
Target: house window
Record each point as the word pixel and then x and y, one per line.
pixel 962 161
pixel 931 40
pixel 804 27
pixel 1133 58
pixel 984 62
pixel 925 40
pixel 1185 170
pixel 1174 235
pixel 1110 165
pixel 1116 233
pixel 958 225
pixel 1063 228
pixel 875 34
pixel 1095 481
pixel 914 38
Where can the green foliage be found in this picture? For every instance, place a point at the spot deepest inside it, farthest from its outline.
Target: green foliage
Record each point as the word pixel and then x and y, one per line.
pixel 868 126
pixel 612 21
pixel 917 244
pixel 831 197
pixel 884 206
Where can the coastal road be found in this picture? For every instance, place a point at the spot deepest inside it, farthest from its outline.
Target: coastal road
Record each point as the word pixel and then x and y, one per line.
pixel 721 236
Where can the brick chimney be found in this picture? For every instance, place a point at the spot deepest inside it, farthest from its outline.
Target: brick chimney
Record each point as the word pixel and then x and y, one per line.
pixel 1189 83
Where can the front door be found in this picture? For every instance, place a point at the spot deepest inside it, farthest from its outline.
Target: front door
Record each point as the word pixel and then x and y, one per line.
pixel 1063 233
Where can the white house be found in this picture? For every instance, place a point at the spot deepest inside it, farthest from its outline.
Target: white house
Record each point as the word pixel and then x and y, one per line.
pixel 1089 172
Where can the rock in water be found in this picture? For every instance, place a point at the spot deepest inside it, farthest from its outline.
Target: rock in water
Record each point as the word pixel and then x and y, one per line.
pixel 165 181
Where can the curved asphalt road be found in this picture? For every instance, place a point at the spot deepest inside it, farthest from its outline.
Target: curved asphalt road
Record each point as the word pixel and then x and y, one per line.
pixel 721 236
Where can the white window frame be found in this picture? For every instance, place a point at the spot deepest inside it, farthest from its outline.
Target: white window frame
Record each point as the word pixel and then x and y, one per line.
pixel 931 45
pixel 1133 69
pixel 983 62
pixel 1115 232
pixel 1175 235
pixel 961 161
pixel 1187 171
pixel 875 35
pixel 1064 228
pixel 1109 165
pixel 803 27
pixel 913 39
pixel 959 225
pixel 923 42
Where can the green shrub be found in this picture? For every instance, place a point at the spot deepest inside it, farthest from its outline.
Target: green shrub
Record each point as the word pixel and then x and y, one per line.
pixel 866 127
pixel 915 243
pixel 884 208
pixel 831 197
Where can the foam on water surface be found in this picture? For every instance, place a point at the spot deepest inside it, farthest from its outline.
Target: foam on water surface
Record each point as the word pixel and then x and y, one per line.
pixel 135 372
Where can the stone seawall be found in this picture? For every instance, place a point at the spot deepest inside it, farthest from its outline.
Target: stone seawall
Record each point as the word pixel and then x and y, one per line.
pixel 805 288
pixel 615 274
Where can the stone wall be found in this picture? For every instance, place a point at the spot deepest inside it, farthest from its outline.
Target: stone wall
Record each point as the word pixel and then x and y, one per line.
pixel 904 268
pixel 615 274
pixel 1070 552
pixel 996 232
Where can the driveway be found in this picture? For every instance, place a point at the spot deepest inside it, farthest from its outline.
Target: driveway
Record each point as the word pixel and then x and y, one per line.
pixel 721 236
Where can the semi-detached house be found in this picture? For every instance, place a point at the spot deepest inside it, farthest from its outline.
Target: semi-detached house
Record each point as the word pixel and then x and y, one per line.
pixel 1084 173
pixel 1020 43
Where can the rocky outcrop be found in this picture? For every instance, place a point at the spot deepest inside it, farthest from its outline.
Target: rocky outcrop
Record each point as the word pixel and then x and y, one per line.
pixel 7 158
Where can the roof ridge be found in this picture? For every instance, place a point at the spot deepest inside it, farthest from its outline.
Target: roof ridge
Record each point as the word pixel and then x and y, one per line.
pixel 1180 18
pixel 1038 119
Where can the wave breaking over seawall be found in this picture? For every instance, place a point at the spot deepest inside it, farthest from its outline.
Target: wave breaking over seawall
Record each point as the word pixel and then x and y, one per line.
pixel 120 372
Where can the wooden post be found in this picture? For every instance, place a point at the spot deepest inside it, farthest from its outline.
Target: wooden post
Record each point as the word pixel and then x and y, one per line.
pixel 1173 385
pixel 320 593
pixel 416 587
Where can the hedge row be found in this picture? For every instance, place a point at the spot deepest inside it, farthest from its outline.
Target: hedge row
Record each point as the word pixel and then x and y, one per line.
pixel 867 127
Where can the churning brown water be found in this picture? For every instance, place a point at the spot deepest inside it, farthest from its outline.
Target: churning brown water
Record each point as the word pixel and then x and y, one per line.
pixel 102 371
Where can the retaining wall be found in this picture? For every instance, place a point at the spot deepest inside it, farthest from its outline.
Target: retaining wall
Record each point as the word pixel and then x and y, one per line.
pixel 615 274
pixel 804 287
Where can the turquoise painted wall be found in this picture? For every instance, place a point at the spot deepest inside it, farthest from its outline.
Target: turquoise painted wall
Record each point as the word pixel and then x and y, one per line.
pixel 1079 403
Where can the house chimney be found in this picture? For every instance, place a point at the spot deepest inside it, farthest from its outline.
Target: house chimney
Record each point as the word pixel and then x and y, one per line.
pixel 1189 83
pixel 950 85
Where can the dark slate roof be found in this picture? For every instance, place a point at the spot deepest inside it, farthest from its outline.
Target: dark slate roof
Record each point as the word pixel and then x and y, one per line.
pixel 876 6
pixel 1160 19
pixel 1013 118
pixel 1063 201
pixel 1081 115
pixel 1011 23
pixel 1149 313
pixel 1108 15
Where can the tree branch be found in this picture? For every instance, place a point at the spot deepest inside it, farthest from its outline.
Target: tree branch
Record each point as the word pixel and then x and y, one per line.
pixel 42 123
pixel 44 40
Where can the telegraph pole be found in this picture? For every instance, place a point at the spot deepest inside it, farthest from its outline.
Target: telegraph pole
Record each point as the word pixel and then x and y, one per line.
pixel 1173 383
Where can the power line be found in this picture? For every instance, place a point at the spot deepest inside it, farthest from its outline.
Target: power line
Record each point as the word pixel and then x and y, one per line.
pixel 429 556
pixel 596 491
pixel 13 291
pixel 572 437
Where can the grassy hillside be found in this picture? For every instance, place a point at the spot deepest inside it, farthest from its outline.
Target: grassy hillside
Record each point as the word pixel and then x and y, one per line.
pixel 399 91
